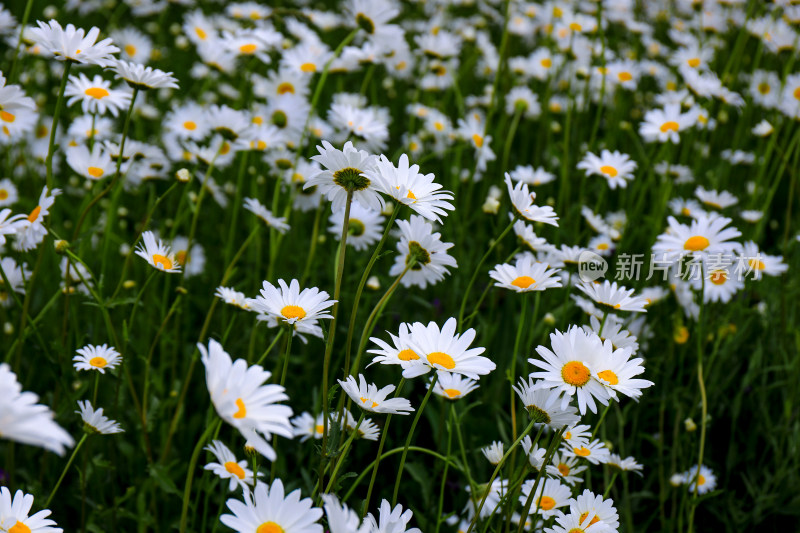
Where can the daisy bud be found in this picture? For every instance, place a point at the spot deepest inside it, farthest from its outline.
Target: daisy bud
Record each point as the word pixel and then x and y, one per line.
pixel 129 284
pixel 690 425
pixel 491 206
pixel 61 246
pixel 183 175
pixel 373 283
pixel 549 319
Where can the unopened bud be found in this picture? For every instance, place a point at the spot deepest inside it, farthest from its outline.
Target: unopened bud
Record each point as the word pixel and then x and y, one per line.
pixel 373 283
pixel 690 425
pixel 61 246
pixel 128 284
pixel 183 175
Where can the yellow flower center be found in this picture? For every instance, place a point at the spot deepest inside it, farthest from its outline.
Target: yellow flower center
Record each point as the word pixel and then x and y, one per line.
pixel 625 76
pixel 438 125
pixel 200 33
pixel 764 88
pixel 3 194
pixel 755 264
pixel 701 480
pixel 242 412
pixel 442 359
pixel 365 400
pixel 681 335
pixel 669 125
pixel 694 62
pixel 564 469
pixel 546 62
pixel 308 67
pixel 609 376
pixel 181 257
pixel 407 355
pixel 130 50
pixel 319 428
pixel 477 139
pixel 165 262
pixel 602 246
pixel 796 93
pixel 34 214
pixel 575 27
pixel 225 148
pixel 95 172
pixel 190 125
pixel 96 92
pixel 609 171
pixel 285 87
pixel 293 311
pixel 719 277
pixel 19 527
pixel 234 469
pixel 585 515
pixel 98 362
pixel 583 452
pixel 247 48
pixel 7 117
pixel 575 373
pixel 269 527
pixel 696 243
pixel 546 503
pixel 523 282
pixel 452 393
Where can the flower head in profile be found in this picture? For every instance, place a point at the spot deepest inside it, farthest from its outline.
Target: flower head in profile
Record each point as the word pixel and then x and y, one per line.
pixel 99 358
pixel 346 170
pixel 144 78
pixel 95 422
pixel 523 207
pixel 257 208
pixel 157 253
pixel 74 44
pixel 544 405
pixel 370 398
pixel 391 520
pixel 31 234
pixel 418 243
pixel 612 296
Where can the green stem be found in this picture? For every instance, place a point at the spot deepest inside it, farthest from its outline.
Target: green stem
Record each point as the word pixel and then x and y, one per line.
pixel 64 472
pixel 54 126
pixel 25 16
pixel 190 473
pixel 548 457
pixel 269 348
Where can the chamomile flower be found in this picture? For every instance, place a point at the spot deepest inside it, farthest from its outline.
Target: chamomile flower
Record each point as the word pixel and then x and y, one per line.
pixel 345 170
pixel 525 275
pixel 306 426
pixel 257 208
pixel 545 405
pixel 716 199
pixel 14 514
pixel 705 481
pixel 97 358
pixel 232 297
pixel 227 467
pixel 31 234
pixel 157 253
pixel 96 95
pixel 592 509
pixel 593 451
pixel 447 350
pixel 453 386
pixel 617 370
pixel 665 124
pixel 400 352
pixel 95 422
pixel 568 367
pixel 493 452
pixel 705 236
pixel 390 520
pixel 429 254
pixel 549 496
pixel 94 165
pixel 364 226
pixel 144 78
pixel 615 166
pixel 8 195
pixel 565 468
pixel 74 44
pixel 758 263
pixel 370 398
pixel 612 296
pixel 523 207
pixel 268 509
pixel 288 305
pixel 241 398
pixel 11 224
pixel 627 464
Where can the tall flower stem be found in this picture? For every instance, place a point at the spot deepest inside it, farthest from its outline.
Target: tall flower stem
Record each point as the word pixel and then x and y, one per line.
pixel 703 399
pixel 64 472
pixel 440 508
pixel 343 454
pixel 187 490
pixel 548 457
pixel 25 16
pixel 332 334
pixel 283 380
pixel 378 457
pixel 411 436
pixel 54 126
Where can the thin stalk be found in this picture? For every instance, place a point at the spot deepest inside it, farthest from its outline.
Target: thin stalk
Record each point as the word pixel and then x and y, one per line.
pixel 187 491
pixel 286 356
pixel 64 472
pixel 54 126
pixel 548 457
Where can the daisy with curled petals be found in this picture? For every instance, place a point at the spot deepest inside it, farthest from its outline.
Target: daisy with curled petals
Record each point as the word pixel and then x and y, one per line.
pixel 571 523
pixel 74 44
pixel 31 234
pixel 346 170
pixel 16 276
pixel 453 386
pixel 544 405
pixel 14 514
pixel 526 275
pixel 96 95
pixel 232 297
pixel 227 467
pixel 615 166
pixel 447 350
pixel 341 519
pixel 144 78
pixel 408 186
pixel 369 398
pixel 400 352
pixel 568 367
pixel 157 253
pixel 367 430
pixel 706 235
pixel 97 358
pixel 391 520
pixel 715 199
pixel 592 509
pixel 25 421
pixel 663 125
pixel 535 453
pixel 257 208
pixel 288 305
pixel 241 398
pixel 524 208
pixel 627 464
pixel 615 297
pixel 493 452
pixel 418 243
pixel 613 331
pixel 94 165
pixel 269 510
pixel 95 422
pixel 549 496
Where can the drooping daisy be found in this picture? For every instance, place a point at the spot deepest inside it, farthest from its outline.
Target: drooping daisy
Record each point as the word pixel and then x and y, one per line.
pixel 93 165
pixel 71 44
pixel 157 253
pixel 523 207
pixel 232 297
pixel 97 358
pixel 566 469
pixel 346 170
pixel 535 453
pixel 288 305
pixel 367 430
pixel 95 422
pixel 269 510
pixel 528 237
pixel 615 166
pixel 258 209
pixel 453 386
pixel 426 249
pixel 447 350
pixel 627 464
pixel 526 275
pixel 610 295
pixel 14 514
pixel 96 95
pixel 242 400
pixel 715 199
pixel 391 520
pixel 544 405
pixel 227 467
pixel 706 235
pixel 493 452
pixel 549 496
pixel 365 226
pixel 568 368
pixel 592 509
pixel 31 234
pixel 369 398
pixel 144 78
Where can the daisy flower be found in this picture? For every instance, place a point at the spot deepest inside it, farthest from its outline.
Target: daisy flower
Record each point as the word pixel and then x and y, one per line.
pixel 400 352
pixel 368 430
pixel 528 237
pixel 269 510
pixel 705 481
pixel 232 297
pixel 628 464
pixel 453 386
pixel 759 263
pixel 535 453
pixel 595 451
pixel 391 520
pixel 10 224
pixel 531 176
pixel 14 514
pixel 306 426
pixel 446 350
pixel 365 226
pixel 16 275
pixel 524 208
pixel 665 124
pixel 24 420
pixel 228 468
pixel 526 275
pixel 97 358
pixel 93 165
pixel 134 45
pixel 96 95
pixel 493 452
pixel 612 329
pixel 592 509
pixel 705 236
pixel 340 518
pixel 571 523
pixel 419 243
pixel 716 199
pixel 258 209
pixel 31 234
pixel 71 44
pixel 157 253
pixel 144 78
pixel 241 398
pixel 615 166
pixel 8 194
pixel 721 283
pixel 408 186
pixel 549 496
pixel 95 422
pixel 345 170
pixel 565 468
pixel 544 405
pixel 288 305
pixel 369 398
pixel 609 294
pixel 568 367
pixel 617 370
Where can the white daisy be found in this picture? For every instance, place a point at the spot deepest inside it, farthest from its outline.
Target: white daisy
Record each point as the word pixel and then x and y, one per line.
pixel 97 358
pixel 369 398
pixel 95 422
